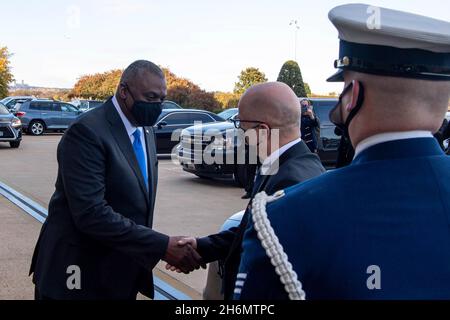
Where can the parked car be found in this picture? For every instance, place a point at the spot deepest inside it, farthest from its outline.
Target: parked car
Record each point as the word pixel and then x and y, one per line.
pixel 229 113
pixel 39 116
pixel 171 120
pixel 12 103
pixel 10 127
pixel 194 143
pixel 197 138
pixel 329 140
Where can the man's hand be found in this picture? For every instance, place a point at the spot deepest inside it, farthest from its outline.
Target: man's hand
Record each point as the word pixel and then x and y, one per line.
pixel 182 242
pixel 182 256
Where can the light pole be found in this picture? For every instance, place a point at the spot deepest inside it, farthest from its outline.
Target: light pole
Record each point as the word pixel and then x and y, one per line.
pixel 294 23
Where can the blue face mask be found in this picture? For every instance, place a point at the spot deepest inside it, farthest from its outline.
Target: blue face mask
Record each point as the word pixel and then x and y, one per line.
pixel 145 113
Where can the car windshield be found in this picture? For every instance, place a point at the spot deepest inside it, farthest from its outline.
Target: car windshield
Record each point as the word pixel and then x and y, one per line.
pixel 170 105
pixel 3 109
pixel 322 109
pixel 228 114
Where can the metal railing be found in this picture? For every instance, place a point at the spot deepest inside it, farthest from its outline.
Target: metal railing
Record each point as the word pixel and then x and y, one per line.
pixel 163 290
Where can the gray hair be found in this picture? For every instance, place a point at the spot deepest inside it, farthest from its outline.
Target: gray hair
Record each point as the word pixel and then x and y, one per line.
pixel 137 68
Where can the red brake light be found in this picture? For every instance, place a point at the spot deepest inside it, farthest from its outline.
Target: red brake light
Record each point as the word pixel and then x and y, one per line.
pixel 20 114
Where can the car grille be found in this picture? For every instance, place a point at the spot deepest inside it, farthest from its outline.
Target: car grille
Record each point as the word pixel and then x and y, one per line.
pixel 7 132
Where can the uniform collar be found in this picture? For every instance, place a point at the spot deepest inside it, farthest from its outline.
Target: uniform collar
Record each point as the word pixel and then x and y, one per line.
pixel 400 149
pixel 389 136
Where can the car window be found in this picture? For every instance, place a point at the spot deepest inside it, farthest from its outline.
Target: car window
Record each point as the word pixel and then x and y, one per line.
pixel 322 109
pixel 227 114
pixel 45 106
pixel 179 118
pixel 35 106
pixel 3 109
pixel 39 106
pixel 11 104
pixel 56 107
pixel 68 108
pixel 201 117
pixel 170 105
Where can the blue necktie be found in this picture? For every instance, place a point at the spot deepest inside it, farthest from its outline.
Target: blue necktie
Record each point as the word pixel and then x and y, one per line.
pixel 140 155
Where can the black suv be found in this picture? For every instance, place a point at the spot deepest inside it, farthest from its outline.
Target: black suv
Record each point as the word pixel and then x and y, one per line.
pixel 329 141
pixel 172 121
pixel 196 139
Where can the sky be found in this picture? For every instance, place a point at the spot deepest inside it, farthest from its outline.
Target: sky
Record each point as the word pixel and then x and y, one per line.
pixel 54 42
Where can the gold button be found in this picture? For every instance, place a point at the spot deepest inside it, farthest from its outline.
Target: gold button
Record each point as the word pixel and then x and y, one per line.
pixel 346 61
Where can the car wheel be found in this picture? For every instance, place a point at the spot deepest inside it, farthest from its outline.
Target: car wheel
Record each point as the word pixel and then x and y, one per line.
pixel 240 176
pixel 36 128
pixel 14 144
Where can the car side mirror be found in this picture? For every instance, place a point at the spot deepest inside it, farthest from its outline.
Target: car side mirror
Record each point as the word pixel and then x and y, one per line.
pixel 161 125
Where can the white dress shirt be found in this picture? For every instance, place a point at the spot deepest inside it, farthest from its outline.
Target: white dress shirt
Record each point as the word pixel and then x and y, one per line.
pixel 131 129
pixel 389 136
pixel 270 160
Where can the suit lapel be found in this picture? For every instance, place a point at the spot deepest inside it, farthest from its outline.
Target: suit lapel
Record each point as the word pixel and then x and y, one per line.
pixel 296 150
pixel 151 154
pixel 151 169
pixel 120 135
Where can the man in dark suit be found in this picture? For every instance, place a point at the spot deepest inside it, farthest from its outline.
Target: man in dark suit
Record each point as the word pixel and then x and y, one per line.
pixel 97 242
pixel 268 113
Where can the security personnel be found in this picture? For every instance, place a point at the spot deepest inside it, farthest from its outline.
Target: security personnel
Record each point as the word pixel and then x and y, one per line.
pixel 310 126
pixel 379 228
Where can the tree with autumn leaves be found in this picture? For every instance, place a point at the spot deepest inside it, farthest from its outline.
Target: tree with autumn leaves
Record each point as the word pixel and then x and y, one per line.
pixel 180 90
pixel 6 76
pixel 189 95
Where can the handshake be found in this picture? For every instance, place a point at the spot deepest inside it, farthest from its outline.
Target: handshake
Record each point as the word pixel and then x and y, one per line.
pixel 182 256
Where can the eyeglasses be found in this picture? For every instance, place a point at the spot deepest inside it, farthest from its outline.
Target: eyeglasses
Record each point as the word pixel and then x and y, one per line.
pixel 238 123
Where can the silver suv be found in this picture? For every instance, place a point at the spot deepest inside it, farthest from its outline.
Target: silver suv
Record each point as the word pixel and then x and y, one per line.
pixel 10 128
pixel 39 116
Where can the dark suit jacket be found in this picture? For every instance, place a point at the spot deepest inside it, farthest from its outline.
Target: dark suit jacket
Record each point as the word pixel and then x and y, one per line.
pixel 296 165
pixel 100 215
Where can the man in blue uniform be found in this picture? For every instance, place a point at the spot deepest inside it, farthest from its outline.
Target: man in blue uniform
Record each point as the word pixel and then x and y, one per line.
pixel 379 228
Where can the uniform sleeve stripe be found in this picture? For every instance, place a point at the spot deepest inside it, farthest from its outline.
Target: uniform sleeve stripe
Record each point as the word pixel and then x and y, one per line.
pixel 242 276
pixel 240 283
pixel 237 291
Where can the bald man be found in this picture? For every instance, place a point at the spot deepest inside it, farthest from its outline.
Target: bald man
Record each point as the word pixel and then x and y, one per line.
pixel 269 115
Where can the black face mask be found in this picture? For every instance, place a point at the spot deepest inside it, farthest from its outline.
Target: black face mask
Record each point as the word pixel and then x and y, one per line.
pixel 346 151
pixel 145 113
